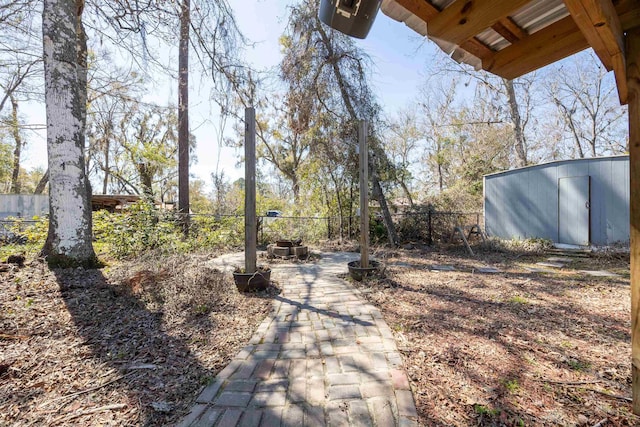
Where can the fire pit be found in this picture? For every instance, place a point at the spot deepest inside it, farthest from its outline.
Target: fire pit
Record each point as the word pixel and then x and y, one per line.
pixel 285 248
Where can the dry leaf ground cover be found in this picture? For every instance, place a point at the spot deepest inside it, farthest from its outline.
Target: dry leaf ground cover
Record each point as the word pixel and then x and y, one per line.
pixel 512 348
pixel 126 345
pixel 133 343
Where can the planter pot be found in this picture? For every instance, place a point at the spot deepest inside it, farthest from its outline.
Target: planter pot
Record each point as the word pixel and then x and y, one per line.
pixel 250 282
pixel 358 273
pixel 300 251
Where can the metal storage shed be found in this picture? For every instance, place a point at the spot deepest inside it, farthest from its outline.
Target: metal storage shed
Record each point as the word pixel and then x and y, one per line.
pixel 580 202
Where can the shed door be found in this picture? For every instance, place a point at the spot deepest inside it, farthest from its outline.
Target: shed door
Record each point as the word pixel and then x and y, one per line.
pixel 573 210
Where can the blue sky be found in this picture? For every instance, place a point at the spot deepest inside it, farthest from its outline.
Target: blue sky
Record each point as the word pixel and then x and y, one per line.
pixel 399 54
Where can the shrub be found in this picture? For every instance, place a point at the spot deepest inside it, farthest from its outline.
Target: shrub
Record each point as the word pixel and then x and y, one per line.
pixel 31 231
pixel 141 227
pixel 216 232
pixel 531 245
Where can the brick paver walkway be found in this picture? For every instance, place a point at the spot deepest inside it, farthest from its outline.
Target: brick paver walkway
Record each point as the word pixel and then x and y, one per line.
pixel 322 357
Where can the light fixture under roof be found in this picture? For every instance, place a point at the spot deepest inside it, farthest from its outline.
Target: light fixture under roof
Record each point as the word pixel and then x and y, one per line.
pixel 351 17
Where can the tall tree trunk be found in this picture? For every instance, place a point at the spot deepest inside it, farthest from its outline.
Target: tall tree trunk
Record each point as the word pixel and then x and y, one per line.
pixel 406 192
pixel 64 45
pixel 183 114
pixel 107 167
pixel 351 212
pixel 295 186
pixel 593 141
pixel 378 194
pixel 569 119
pixel 339 201
pixel 146 179
pixel 105 180
pixel 17 152
pixel 391 230
pixel 42 184
pixel 521 144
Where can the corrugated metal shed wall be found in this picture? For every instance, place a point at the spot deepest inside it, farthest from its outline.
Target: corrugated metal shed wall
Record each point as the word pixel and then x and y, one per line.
pixel 23 205
pixel 523 203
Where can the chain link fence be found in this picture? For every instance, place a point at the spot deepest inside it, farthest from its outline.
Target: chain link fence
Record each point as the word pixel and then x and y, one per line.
pixel 428 226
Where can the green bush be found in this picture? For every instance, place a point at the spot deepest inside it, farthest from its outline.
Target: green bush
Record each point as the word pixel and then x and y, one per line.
pixel 377 230
pixel 216 232
pixel 143 227
pixel 139 228
pixel 32 232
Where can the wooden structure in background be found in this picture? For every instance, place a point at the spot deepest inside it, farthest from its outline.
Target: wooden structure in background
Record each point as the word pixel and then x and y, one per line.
pixel 510 38
pixel 112 202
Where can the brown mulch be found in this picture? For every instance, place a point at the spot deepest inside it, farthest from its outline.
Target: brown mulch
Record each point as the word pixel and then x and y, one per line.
pixel 133 344
pixel 512 348
pixel 127 345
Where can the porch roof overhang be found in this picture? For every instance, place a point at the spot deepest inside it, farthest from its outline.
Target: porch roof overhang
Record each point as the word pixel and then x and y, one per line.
pixel 511 38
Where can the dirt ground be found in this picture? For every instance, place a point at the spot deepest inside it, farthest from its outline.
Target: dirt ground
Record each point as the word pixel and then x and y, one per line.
pixel 132 344
pixel 510 348
pixel 124 346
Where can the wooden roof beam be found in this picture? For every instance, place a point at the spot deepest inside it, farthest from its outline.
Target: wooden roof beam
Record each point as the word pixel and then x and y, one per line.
pixel 544 47
pixel 477 48
pixel 421 8
pixel 427 12
pixel 599 23
pixel 463 19
pixel 629 13
pixel 508 29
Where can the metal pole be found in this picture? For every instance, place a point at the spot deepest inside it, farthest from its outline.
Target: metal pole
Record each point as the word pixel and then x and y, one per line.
pixel 250 230
pixel 364 195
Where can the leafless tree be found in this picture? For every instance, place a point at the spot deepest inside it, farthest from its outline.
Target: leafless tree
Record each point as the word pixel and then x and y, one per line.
pixel 585 99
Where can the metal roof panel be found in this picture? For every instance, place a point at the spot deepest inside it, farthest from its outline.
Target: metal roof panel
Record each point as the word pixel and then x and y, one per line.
pixel 539 14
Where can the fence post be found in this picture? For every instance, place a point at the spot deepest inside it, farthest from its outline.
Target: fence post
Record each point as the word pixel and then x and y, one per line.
pixel 328 228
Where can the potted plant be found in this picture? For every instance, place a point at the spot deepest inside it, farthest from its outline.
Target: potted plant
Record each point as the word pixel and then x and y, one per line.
pixel 252 281
pixel 358 273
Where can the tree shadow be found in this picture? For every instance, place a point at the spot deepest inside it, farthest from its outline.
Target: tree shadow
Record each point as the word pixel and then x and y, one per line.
pixel 516 324
pixel 156 369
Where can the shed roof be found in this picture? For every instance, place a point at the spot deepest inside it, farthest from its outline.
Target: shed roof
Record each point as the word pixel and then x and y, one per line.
pixel 510 38
pixel 557 162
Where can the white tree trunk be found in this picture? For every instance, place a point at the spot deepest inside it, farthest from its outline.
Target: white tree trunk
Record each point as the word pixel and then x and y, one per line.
pixel 69 237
